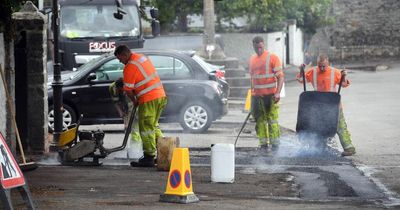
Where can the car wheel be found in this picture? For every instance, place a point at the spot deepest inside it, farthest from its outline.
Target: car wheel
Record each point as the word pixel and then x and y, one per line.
pixel 69 117
pixel 196 117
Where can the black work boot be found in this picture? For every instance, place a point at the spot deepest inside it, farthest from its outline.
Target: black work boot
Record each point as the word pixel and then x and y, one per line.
pixel 264 149
pixel 145 161
pixel 349 152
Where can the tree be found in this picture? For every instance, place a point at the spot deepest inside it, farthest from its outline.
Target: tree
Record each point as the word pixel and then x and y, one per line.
pixel 310 14
pixel 176 11
pixel 262 15
pixel 268 15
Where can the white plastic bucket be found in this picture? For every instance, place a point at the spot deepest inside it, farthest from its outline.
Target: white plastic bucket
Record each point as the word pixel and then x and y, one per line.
pixel 223 163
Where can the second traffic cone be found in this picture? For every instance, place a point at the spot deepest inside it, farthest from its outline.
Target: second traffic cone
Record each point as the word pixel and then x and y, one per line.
pixel 179 184
pixel 247 104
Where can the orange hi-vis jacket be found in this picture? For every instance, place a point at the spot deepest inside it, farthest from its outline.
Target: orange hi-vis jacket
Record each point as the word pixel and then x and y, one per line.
pixel 264 70
pixel 141 77
pixel 324 81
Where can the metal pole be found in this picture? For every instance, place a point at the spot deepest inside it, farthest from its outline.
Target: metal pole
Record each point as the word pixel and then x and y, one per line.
pixel 57 82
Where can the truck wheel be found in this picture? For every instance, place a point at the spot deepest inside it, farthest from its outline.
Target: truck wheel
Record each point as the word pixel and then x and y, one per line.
pixel 195 117
pixel 69 117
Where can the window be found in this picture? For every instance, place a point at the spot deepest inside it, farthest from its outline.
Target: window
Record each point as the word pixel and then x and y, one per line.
pixel 97 21
pixel 169 67
pixel 110 71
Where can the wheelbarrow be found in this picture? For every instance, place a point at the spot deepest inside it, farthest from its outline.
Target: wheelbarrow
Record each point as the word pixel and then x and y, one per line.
pixel 318 112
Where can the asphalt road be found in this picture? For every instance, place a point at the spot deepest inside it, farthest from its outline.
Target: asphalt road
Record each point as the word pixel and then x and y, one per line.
pixel 372 113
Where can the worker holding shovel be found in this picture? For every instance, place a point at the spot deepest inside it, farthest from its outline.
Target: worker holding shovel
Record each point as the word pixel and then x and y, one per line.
pixel 324 78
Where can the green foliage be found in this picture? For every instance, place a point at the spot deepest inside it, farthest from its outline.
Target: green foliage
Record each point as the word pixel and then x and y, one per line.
pixel 169 10
pixel 262 15
pixel 310 14
pixel 269 15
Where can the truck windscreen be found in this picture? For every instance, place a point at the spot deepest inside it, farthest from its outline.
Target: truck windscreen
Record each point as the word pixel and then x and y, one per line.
pixel 85 21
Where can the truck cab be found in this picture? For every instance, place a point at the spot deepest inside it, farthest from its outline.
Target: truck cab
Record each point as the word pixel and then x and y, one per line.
pixel 88 29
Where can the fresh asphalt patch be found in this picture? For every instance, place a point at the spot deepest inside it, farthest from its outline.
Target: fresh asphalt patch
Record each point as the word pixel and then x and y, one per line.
pixel 323 176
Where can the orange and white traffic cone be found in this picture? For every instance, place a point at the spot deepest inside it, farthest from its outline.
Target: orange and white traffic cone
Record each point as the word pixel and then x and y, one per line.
pixel 179 184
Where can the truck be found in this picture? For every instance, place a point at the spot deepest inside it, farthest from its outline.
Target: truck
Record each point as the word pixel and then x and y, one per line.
pixel 88 28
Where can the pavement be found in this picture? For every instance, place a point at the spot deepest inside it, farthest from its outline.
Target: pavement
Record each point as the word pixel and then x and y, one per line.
pixel 282 180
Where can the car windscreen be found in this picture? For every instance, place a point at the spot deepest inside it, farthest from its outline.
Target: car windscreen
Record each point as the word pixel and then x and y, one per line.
pixel 82 21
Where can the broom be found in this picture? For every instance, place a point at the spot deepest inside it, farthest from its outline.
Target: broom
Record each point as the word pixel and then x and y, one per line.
pixel 24 166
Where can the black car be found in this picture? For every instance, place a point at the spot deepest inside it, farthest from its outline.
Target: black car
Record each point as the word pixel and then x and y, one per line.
pixel 197 96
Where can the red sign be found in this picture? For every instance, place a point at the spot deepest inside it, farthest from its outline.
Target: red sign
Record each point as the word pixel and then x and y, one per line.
pixel 10 173
pixel 101 46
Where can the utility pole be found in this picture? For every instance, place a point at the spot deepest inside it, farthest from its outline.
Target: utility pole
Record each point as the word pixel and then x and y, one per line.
pixel 210 49
pixel 57 82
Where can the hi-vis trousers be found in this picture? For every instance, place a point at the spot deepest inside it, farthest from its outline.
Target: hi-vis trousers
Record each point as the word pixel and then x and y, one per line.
pixel 266 113
pixel 149 114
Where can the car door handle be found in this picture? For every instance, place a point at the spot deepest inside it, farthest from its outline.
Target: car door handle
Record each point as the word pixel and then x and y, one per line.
pixel 73 93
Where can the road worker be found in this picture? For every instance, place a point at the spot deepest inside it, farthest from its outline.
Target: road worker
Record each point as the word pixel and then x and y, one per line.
pixel 324 78
pixel 266 84
pixel 143 86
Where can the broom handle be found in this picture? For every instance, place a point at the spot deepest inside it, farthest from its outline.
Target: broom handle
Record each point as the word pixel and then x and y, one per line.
pixel 14 123
pixel 241 129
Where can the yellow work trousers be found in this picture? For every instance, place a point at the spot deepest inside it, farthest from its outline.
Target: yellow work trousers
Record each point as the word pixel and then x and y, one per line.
pixel 149 114
pixel 266 113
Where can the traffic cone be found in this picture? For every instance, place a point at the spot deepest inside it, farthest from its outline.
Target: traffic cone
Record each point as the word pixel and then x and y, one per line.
pixel 179 184
pixel 247 104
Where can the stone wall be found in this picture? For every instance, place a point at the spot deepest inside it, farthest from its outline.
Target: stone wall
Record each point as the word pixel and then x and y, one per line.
pixel 364 30
pixel 366 22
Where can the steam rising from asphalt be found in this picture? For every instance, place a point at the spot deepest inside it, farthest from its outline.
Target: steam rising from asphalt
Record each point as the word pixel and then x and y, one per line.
pixel 305 145
pixel 296 148
pixel 51 159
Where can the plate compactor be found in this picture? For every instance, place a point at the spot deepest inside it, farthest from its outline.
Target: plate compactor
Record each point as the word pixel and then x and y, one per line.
pixel 86 147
